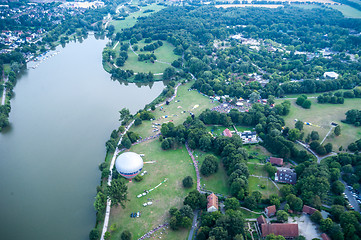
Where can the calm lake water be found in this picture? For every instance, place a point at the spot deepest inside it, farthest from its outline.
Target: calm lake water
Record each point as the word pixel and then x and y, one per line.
pixel 62 115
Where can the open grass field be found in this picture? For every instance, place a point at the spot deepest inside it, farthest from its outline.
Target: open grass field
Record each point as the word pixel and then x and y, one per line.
pixel 257 169
pixel 306 6
pixel 164 54
pixel 217 131
pixel 249 5
pixel 248 214
pixel 322 115
pixel 255 184
pixel 348 11
pixel 184 101
pixel 216 182
pixel 131 20
pixel 257 153
pixel 173 165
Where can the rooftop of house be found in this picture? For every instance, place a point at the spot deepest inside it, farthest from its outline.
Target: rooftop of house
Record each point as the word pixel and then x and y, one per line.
pixel 287 230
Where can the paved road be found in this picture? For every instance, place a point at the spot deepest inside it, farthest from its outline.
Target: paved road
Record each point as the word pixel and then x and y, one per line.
pixel 194 225
pixel 351 199
pixel 314 154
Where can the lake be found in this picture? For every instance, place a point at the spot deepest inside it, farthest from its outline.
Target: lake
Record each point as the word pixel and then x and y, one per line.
pixel 62 114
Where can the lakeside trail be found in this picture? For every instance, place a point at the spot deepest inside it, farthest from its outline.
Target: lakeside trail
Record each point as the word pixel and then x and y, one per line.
pixel 116 152
pixel 3 98
pixel 107 211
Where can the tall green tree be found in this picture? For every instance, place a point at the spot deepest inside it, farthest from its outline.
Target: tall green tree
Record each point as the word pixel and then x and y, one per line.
pixel 117 191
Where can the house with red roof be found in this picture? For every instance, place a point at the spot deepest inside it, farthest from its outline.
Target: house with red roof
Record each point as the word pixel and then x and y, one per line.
pixel 324 236
pixel 212 203
pixel 261 220
pixel 287 230
pixel 276 161
pixel 270 210
pixel 227 133
pixel 308 210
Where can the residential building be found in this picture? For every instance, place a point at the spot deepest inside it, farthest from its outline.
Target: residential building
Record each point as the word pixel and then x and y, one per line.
pixel 212 204
pixel 287 230
pixel 227 133
pixel 286 175
pixel 261 220
pixel 308 210
pixel 276 161
pixel 249 137
pixel 270 210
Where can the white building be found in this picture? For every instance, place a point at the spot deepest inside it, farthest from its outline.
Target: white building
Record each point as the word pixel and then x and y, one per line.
pixel 330 75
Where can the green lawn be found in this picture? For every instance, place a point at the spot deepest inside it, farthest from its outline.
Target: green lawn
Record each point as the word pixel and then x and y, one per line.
pixel 322 115
pixel 171 164
pixel 244 128
pixel 186 101
pixel 217 182
pixel 348 11
pixel 257 153
pixel 164 54
pixel 257 169
pixel 131 20
pixel 217 130
pixel 248 214
pixel 255 184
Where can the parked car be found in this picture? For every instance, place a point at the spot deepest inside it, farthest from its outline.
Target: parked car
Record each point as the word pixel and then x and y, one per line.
pixel 138 214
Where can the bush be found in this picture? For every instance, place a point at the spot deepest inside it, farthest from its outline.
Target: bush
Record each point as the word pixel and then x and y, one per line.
pixel 138 178
pixel 187 182
pixel 126 235
pixel 137 121
pixel 94 234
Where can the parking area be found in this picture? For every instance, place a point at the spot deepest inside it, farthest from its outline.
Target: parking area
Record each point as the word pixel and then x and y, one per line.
pixel 353 196
pixel 306 227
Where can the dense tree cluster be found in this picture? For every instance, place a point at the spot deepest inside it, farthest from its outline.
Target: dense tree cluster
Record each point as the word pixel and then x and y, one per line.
pixel 181 218
pixel 355 146
pixel 330 98
pixel 348 166
pixel 353 116
pixel 209 165
pixel 218 226
pixel 152 46
pixel 303 101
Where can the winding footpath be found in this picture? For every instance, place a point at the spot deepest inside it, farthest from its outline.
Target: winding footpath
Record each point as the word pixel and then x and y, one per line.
pixel 195 166
pixel 109 202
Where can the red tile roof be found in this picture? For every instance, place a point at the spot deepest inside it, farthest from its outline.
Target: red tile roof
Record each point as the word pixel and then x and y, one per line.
pixel 212 201
pixel 288 230
pixel 271 210
pixel 261 220
pixel 309 210
pixel 324 236
pixel 277 161
pixel 227 133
